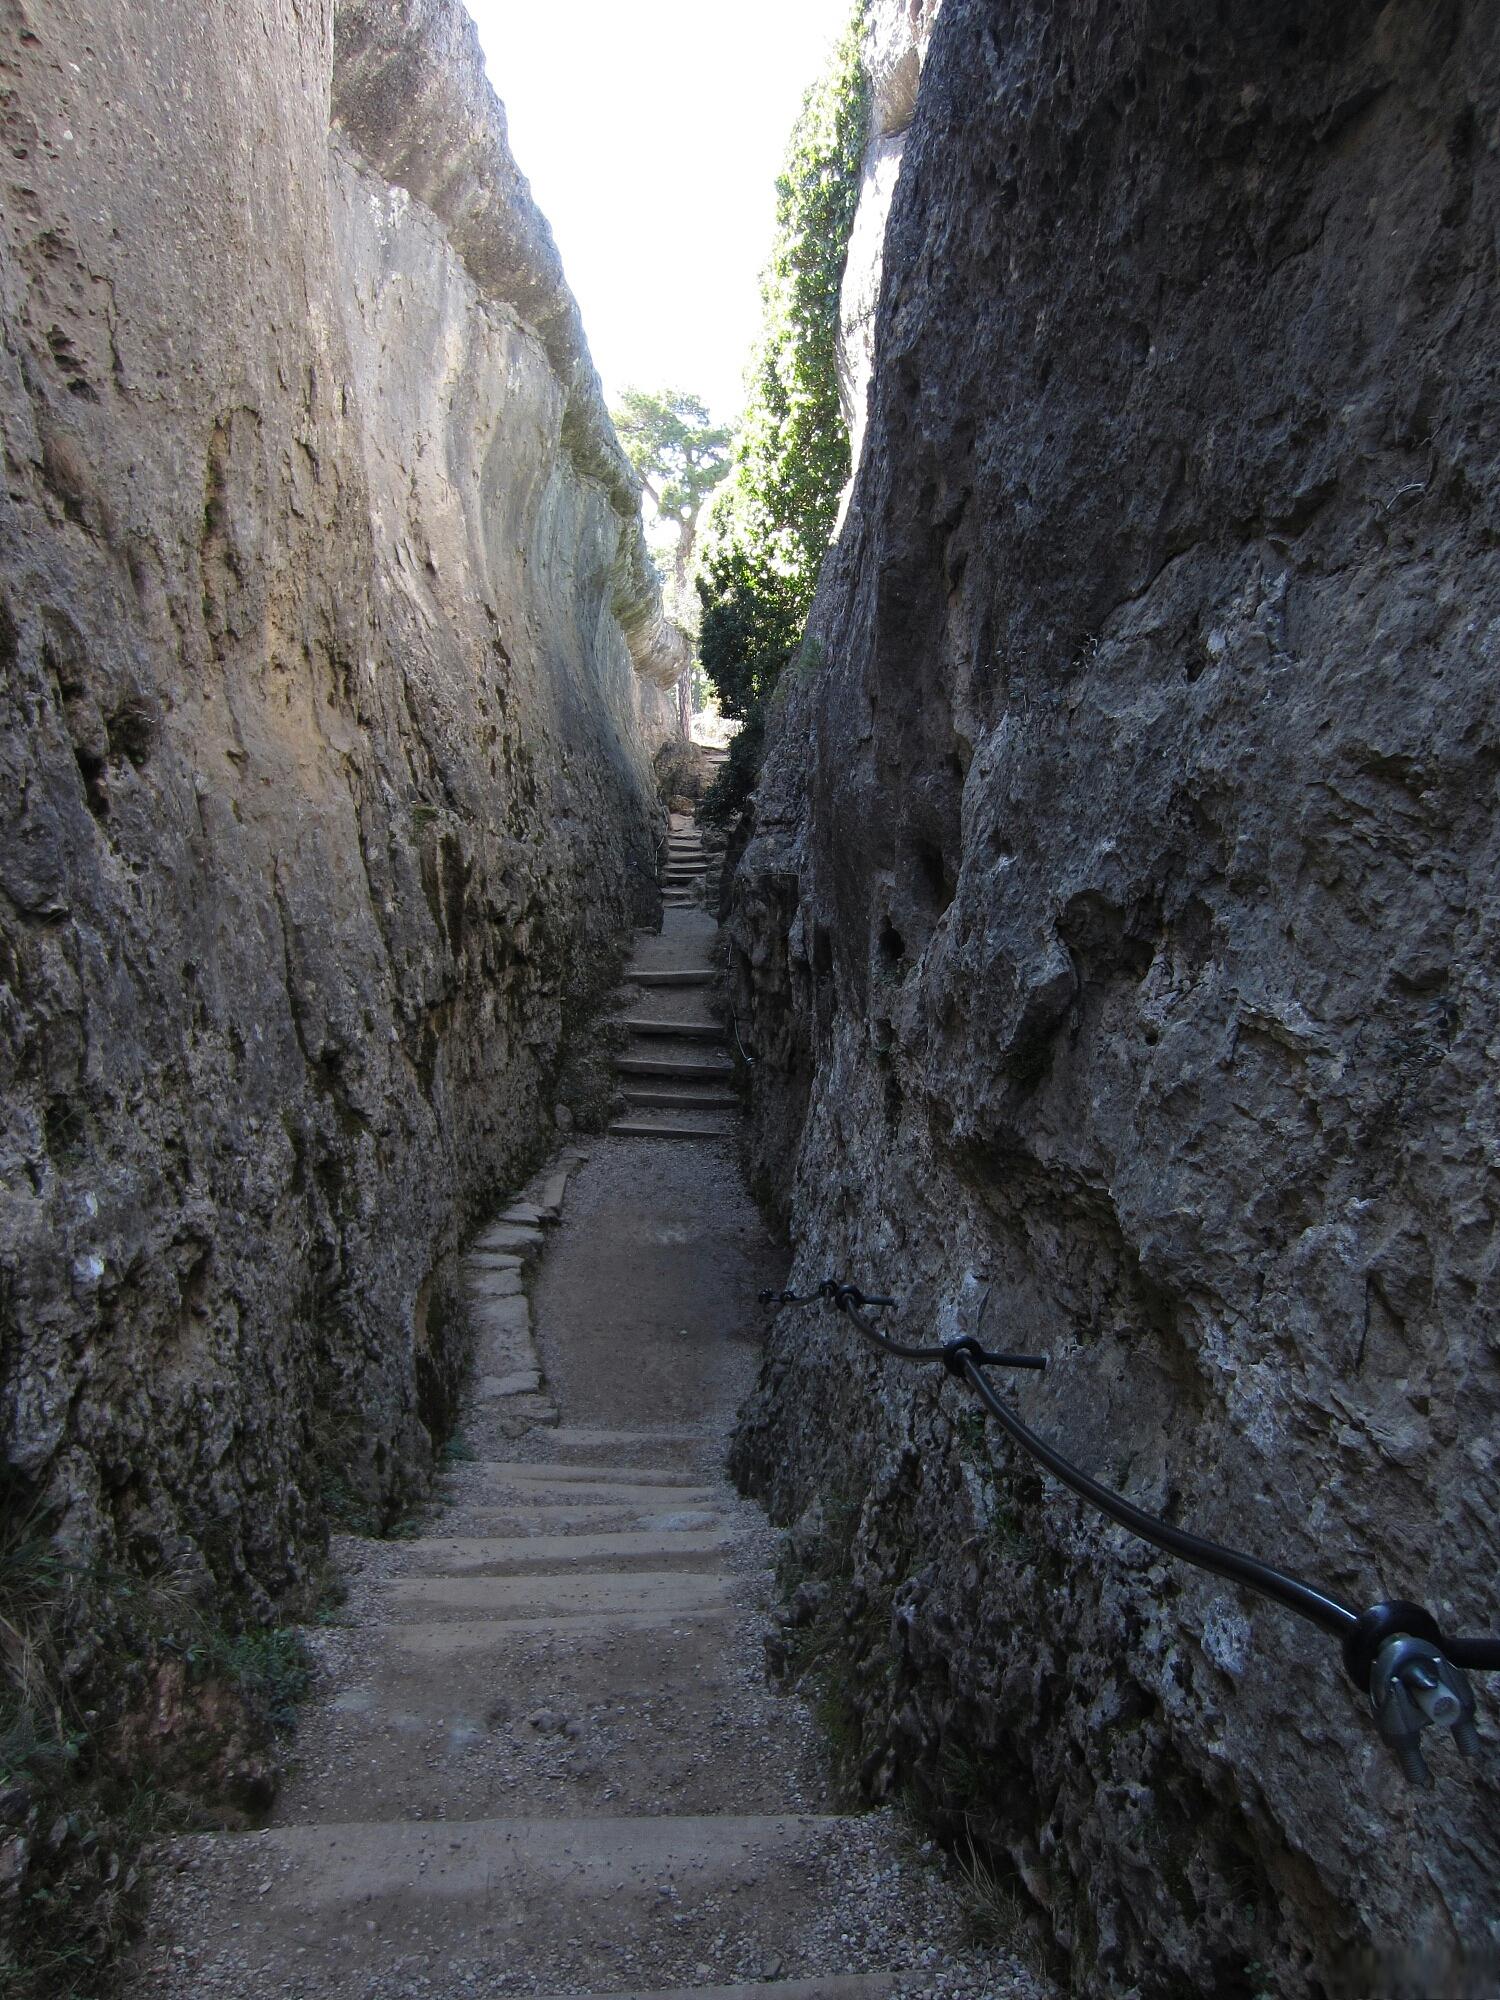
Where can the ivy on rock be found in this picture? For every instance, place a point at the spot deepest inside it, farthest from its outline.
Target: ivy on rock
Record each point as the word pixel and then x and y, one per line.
pixel 770 528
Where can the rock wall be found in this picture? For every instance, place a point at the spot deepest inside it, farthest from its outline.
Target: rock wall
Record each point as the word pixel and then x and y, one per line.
pixel 1117 938
pixel 332 668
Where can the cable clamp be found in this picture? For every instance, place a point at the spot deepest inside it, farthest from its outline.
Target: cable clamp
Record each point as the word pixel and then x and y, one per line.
pixel 955 1353
pixel 847 1296
pixel 1415 1686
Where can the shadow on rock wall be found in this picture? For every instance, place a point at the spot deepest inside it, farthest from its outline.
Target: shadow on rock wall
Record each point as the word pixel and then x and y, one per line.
pixel 1119 928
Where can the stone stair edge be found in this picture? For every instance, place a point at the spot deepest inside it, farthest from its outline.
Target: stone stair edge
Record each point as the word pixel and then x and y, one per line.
pixel 847 1986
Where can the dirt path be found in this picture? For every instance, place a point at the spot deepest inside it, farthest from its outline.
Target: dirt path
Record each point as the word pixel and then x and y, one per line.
pixel 545 1759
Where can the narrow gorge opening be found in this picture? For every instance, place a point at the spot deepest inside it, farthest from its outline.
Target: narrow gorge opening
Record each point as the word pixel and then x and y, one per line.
pixel 626 887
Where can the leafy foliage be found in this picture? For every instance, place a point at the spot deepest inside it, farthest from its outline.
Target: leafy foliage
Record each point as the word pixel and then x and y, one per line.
pixel 768 533
pixel 680 455
pixel 729 794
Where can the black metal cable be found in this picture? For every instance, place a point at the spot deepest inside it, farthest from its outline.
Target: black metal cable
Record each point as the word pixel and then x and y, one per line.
pixel 965 1359
pixel 849 1298
pixel 1364 1634
pixel 1319 1605
pixel 744 1052
pixel 1483 1655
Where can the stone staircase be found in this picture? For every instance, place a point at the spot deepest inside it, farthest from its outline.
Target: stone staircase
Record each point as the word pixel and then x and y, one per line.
pixel 685 874
pixel 547 1761
pixel 674 1068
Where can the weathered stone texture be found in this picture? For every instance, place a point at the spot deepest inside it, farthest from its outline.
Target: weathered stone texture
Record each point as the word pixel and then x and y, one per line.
pixel 328 704
pixel 1118 935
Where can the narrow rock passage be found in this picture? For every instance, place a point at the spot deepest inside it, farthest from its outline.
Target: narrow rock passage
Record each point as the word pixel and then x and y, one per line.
pixel 547 1760
pixel 674 1068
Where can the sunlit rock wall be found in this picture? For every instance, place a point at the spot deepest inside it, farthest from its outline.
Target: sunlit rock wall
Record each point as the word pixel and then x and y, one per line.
pixel 896 36
pixel 331 672
pixel 1118 943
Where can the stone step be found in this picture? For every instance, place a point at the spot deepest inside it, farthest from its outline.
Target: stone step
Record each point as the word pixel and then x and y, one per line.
pixel 667 1125
pixel 570 1435
pixel 597 1592
pixel 669 1100
pixel 359 1907
pixel 603 1490
pixel 455 1638
pixel 674 1066
pixel 529 1471
pixel 581 1517
pixel 543 1723
pixel 857 1986
pixel 498 1555
pixel 689 1005
pixel 682 1031
pixel 689 975
pixel 506 1239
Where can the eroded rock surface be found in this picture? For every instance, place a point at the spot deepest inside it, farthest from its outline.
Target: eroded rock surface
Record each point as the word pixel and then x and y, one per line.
pixel 331 671
pixel 1117 940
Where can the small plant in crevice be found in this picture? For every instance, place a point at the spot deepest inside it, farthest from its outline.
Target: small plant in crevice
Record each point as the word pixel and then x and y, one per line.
pixel 329 1597
pixel 267 1666
pixel 127 1710
pixel 995 1902
pixel 814 1575
pixel 969 1429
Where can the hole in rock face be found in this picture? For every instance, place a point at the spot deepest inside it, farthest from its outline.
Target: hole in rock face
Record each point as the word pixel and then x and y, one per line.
pixel 132 730
pixel 932 882
pixel 94 772
pixel 822 954
pixel 825 991
pixel 65 1129
pixel 890 1099
pixel 891 947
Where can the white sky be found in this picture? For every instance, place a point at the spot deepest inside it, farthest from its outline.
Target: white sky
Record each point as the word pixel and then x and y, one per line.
pixel 652 132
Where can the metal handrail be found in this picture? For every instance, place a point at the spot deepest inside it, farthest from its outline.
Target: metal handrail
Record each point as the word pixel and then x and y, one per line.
pixel 1394 1651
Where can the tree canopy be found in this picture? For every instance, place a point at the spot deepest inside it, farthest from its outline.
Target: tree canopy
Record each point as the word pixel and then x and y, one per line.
pixel 768 532
pixel 680 454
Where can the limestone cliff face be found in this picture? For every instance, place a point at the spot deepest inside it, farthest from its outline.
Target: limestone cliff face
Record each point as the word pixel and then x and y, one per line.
pixel 331 672
pixel 1118 938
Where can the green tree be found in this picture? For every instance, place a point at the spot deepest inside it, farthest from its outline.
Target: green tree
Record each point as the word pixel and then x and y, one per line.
pixel 769 529
pixel 681 457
